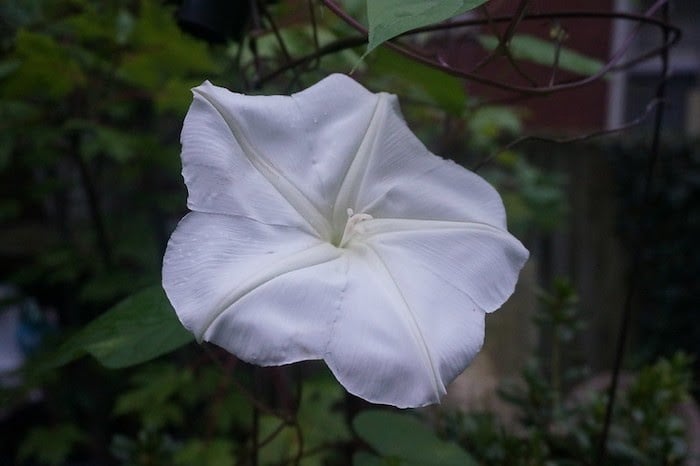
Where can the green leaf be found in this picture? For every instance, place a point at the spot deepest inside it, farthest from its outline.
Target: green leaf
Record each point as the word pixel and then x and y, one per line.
pixel 320 423
pixel 362 458
pixel 46 69
pixel 390 18
pixel 493 120
pixel 175 95
pixel 138 329
pixel 162 52
pixel 403 439
pixel 98 139
pixel 413 77
pixel 530 48
pixel 215 452
pixel 153 396
pixel 50 445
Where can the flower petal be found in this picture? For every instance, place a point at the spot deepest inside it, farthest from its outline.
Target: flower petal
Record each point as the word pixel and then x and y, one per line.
pixel 480 260
pixel 286 319
pixel 397 310
pixel 277 159
pixel 212 261
pixel 395 176
pixel 398 343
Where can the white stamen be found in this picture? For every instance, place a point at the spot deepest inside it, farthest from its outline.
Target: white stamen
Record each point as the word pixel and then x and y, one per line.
pixel 351 225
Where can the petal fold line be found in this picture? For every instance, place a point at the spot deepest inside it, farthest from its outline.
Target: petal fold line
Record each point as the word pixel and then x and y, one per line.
pixel 386 226
pixel 438 386
pixel 296 198
pixel 352 181
pixel 315 255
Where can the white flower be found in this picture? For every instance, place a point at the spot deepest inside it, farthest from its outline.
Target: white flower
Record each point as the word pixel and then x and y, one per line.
pixel 321 228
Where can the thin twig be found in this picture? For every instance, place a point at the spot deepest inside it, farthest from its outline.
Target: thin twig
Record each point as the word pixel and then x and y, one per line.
pixel 333 47
pixel 504 42
pixel 492 54
pixel 271 436
pixel 637 254
pixel 300 444
pixel 314 33
pixel 255 445
pixel 672 37
pixel 646 18
pixel 517 18
pixel 625 126
pixel 313 451
pixel 242 389
pixel 237 60
pixel 280 41
pixel 257 26
pixel 276 33
pixel 558 39
pixel 514 64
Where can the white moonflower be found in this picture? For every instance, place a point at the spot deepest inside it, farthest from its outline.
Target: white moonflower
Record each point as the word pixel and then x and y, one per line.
pixel 321 228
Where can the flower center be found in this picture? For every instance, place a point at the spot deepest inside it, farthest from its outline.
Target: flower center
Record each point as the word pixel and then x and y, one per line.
pixel 352 226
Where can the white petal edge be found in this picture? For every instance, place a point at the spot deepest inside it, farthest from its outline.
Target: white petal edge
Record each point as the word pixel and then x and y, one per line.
pixel 213 260
pixel 237 147
pixel 286 319
pixel 396 361
pixel 482 261
pixel 395 176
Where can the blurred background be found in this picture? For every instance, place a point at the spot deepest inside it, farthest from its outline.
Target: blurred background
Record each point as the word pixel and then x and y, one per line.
pixel 92 98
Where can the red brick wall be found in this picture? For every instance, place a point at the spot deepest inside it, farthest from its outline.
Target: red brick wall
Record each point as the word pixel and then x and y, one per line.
pixel 583 108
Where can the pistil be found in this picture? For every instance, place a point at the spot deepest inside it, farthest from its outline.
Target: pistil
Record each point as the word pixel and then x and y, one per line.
pixel 351 226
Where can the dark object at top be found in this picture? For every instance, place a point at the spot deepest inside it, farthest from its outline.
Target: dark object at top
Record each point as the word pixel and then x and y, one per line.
pixel 214 21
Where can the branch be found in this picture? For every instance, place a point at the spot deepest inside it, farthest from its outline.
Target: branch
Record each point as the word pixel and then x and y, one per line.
pixel 672 36
pixel 333 47
pixel 638 251
pixel 630 124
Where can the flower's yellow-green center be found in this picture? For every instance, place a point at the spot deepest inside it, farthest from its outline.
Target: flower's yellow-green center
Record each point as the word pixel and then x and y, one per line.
pixel 352 227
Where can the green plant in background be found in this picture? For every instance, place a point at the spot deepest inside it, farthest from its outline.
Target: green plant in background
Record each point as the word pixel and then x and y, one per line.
pixel 86 90
pixel 669 287
pixel 561 409
pixel 50 445
pixel 92 96
pixel 403 439
pixel 184 416
pixel 534 198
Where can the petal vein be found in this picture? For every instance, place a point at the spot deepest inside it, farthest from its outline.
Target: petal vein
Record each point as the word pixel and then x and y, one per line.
pixel 315 255
pixel 296 198
pixel 352 180
pixel 438 386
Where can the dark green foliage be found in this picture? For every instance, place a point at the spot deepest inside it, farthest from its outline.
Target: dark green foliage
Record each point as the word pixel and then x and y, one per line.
pixel 138 329
pixel 534 198
pixel 92 97
pixel 561 415
pixel 669 288
pixel 403 439
pixel 50 445
pixel 89 159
